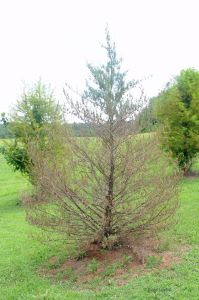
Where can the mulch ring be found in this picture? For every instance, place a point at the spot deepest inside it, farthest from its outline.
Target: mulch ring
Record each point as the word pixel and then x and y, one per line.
pixel 119 265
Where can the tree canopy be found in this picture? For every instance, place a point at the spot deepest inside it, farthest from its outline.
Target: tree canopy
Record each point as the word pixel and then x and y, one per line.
pixel 31 116
pixel 178 112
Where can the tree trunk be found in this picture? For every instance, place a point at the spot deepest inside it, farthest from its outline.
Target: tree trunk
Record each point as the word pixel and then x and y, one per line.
pixel 109 198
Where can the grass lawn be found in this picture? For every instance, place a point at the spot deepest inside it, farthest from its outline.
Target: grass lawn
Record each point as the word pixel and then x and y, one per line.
pixel 21 256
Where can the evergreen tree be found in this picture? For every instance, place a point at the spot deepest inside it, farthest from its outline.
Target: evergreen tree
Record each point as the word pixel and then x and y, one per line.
pixel 116 186
pixel 30 118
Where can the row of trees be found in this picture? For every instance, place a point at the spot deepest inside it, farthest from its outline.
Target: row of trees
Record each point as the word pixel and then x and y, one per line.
pixel 107 190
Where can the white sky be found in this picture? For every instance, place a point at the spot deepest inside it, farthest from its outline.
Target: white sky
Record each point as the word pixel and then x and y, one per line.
pixel 54 39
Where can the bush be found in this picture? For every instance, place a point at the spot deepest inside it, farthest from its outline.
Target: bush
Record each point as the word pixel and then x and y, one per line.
pixel 178 112
pixel 17 157
pixel 33 114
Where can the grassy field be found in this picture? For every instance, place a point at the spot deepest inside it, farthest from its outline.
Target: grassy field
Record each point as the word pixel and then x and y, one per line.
pixel 21 257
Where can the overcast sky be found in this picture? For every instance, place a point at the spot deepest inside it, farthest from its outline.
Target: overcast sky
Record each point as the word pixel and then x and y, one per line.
pixel 54 39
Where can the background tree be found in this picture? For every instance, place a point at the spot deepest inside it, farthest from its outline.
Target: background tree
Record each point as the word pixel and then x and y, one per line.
pixel 116 186
pixel 147 119
pixel 4 131
pixel 32 115
pixel 4 119
pixel 178 112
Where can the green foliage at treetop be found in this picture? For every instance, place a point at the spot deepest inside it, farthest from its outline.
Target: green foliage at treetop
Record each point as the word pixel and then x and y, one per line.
pixel 30 118
pixel 178 112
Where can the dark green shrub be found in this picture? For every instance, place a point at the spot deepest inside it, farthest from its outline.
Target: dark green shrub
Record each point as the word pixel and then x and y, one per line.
pixel 178 112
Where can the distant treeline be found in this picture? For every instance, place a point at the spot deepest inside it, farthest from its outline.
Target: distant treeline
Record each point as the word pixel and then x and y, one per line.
pixel 5 133
pixel 78 129
pixel 147 118
pixel 146 124
pixel 81 129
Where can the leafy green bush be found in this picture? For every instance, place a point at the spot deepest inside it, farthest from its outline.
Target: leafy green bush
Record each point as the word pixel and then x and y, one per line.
pixel 178 112
pixel 17 157
pixel 31 118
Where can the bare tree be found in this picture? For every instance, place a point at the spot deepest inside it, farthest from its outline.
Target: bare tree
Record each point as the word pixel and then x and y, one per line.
pixel 110 188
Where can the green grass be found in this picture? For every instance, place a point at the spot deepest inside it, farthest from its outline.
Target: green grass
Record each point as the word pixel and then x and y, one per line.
pixel 21 257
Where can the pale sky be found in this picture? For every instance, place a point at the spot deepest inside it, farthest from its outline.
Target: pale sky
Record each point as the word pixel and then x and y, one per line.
pixel 54 39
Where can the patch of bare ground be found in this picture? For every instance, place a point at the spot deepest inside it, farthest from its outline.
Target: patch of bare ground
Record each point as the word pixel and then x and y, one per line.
pixel 118 265
pixel 191 175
